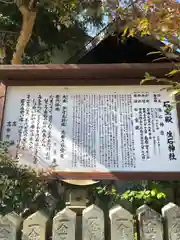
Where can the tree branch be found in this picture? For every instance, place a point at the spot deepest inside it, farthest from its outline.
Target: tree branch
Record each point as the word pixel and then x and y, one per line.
pixel 26 32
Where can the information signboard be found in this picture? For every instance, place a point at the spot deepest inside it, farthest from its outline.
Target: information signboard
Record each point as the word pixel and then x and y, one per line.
pixel 86 129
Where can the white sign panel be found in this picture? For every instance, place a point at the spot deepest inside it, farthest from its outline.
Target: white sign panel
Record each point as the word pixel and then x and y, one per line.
pixel 122 128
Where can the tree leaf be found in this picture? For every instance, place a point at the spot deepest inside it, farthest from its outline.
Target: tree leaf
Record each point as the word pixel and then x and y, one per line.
pixel 161 195
pixel 125 31
pixel 157 52
pixel 158 59
pixel 147 78
pixel 173 72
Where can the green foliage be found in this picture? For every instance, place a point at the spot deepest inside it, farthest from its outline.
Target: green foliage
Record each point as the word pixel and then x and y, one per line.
pixel 21 188
pixel 174 87
pixel 173 72
pixel 155 196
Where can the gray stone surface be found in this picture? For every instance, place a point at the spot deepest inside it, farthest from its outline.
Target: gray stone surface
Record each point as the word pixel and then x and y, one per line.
pixel 34 227
pixel 121 224
pixel 93 223
pixel 150 224
pixel 171 214
pixel 64 224
pixel 9 226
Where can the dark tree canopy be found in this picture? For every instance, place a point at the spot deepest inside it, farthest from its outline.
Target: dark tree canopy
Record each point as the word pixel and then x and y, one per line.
pixel 55 25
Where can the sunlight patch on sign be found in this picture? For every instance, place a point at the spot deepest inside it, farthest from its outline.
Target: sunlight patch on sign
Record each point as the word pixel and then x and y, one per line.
pixel 121 128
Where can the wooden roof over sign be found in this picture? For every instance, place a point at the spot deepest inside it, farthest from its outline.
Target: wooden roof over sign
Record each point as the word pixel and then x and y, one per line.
pixel 112 29
pixel 64 74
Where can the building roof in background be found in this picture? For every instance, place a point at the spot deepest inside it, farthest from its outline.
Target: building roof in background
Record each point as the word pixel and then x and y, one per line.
pixel 111 28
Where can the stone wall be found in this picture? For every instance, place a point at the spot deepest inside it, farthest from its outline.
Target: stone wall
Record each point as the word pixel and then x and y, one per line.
pixel 147 224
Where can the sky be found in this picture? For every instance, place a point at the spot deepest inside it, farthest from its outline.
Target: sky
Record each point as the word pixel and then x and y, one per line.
pixel 92 31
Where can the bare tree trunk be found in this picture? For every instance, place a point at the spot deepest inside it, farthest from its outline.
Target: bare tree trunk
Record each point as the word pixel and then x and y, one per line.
pixel 28 18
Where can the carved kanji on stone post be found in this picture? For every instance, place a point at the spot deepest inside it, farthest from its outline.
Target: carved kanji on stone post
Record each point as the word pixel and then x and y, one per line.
pixel 34 227
pixel 93 223
pixel 121 224
pixel 150 224
pixel 64 225
pixel 171 214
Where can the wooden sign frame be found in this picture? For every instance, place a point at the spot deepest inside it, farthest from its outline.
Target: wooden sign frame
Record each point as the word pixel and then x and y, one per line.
pixel 88 75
